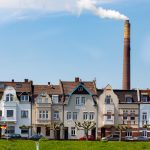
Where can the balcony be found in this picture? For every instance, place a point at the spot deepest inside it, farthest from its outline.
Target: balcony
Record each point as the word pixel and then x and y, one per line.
pixel 108 121
pixel 43 121
pixel 43 105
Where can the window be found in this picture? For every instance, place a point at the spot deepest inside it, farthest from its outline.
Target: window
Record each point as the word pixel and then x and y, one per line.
pixel 24 113
pixel 108 115
pixel 77 101
pixel 128 133
pixel 144 133
pixel 46 100
pixel 39 100
pixel 73 132
pixel 144 116
pixel 55 99
pixel 125 115
pixel 18 85
pixel 0 113
pixel 68 115
pixel 74 115
pixel 144 98
pixel 2 85
pixel 82 100
pixel 10 130
pixel 56 115
pixel 9 97
pixel 85 115
pixel 10 113
pixel 43 114
pixel 129 99
pixel 91 115
pixel 132 115
pixel 24 131
pixel 24 98
pixel 108 99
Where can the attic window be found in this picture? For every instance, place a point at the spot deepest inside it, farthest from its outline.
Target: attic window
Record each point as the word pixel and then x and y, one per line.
pixel 18 85
pixel 108 99
pixel 55 99
pixel 129 99
pixel 144 98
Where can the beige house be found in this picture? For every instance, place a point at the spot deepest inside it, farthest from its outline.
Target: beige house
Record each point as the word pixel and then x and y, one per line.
pixel 107 111
pixel 46 109
pixel 79 105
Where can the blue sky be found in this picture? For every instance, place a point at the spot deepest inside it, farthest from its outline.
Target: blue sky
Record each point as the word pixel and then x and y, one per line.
pixel 51 43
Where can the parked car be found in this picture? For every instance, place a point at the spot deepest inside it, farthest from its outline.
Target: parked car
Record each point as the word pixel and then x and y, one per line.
pixel 14 136
pixel 112 137
pixel 142 138
pixel 35 137
pixel 90 138
pixel 129 138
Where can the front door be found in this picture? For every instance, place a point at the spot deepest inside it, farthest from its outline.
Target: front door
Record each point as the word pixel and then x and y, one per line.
pixel 38 130
pixel 93 132
pixel 103 133
pixel 66 133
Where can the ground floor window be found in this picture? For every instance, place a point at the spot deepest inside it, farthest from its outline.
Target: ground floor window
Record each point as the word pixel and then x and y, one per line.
pixel 10 130
pixel 24 131
pixel 73 132
pixel 47 131
pixel 128 133
pixel 144 133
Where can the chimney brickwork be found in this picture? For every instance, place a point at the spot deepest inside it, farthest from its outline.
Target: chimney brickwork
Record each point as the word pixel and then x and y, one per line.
pixel 126 57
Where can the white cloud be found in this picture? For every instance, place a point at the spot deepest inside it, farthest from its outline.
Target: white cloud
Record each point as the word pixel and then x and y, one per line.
pixel 24 9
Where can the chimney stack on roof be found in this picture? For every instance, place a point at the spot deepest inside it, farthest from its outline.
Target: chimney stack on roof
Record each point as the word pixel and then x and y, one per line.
pixel 77 79
pixel 12 80
pixel 126 57
pixel 49 83
pixel 26 80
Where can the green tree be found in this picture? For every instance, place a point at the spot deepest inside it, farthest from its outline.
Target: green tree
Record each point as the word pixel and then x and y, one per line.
pixel 86 126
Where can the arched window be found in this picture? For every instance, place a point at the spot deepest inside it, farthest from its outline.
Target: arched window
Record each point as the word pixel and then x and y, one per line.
pixel 9 97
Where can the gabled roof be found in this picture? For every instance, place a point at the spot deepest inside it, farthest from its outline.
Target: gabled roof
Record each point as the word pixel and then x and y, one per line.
pixel 49 89
pixel 18 86
pixel 122 94
pixel 69 86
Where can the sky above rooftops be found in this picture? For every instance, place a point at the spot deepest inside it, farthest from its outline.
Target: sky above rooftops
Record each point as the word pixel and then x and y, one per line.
pixel 46 41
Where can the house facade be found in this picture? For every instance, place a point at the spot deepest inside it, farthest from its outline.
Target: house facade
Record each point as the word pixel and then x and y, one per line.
pixel 80 104
pixel 15 107
pixel 144 110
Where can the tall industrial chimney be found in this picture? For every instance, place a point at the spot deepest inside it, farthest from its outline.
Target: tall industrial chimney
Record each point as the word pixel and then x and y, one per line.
pixel 126 57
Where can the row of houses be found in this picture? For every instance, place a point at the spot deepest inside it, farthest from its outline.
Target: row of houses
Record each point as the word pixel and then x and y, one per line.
pixel 29 109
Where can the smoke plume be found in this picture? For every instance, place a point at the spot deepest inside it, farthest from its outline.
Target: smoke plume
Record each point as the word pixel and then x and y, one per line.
pixel 91 5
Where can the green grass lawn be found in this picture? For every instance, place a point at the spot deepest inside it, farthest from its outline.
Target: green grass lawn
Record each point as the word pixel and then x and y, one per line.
pixel 73 145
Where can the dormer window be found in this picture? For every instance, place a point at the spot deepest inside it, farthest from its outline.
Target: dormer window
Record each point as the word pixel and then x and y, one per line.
pixel 9 97
pixel 24 98
pixel 108 99
pixel 18 85
pixel 144 98
pixel 55 99
pixel 129 99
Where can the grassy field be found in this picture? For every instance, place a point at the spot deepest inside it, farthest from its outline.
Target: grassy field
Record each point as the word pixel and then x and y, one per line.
pixel 73 145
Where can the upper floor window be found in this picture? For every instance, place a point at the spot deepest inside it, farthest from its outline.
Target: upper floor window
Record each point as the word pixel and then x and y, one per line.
pixel 55 99
pixel 108 115
pixel 24 97
pixel 125 115
pixel 108 99
pixel 9 97
pixel 0 113
pixel 10 113
pixel 43 114
pixel 80 100
pixel 132 115
pixel 75 115
pixel 24 113
pixel 46 100
pixel 40 100
pixel 144 116
pixel 56 115
pixel 129 99
pixel 91 115
pixel 85 115
pixel 144 98
pixel 68 115
pixel 77 100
